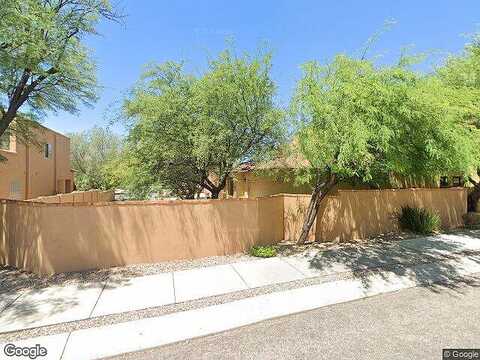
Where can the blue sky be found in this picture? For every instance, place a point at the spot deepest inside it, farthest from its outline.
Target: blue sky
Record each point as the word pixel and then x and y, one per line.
pixel 296 31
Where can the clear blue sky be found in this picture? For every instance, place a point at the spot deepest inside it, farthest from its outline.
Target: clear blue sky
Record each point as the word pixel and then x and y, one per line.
pixel 297 31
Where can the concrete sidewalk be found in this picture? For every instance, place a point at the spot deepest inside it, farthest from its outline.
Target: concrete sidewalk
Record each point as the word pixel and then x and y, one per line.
pixel 121 338
pixel 60 304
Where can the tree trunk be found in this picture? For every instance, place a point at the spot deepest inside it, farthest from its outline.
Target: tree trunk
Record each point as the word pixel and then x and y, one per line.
pixel 5 121
pixel 474 196
pixel 215 189
pixel 15 101
pixel 215 193
pixel 319 192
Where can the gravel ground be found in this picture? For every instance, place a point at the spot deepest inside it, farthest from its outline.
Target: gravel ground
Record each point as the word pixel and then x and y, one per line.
pixel 286 248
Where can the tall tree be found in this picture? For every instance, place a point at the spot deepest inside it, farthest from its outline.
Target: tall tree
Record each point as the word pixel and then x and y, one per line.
pixel 159 148
pixel 91 153
pixel 190 132
pixel 43 64
pixel 363 122
pixel 462 73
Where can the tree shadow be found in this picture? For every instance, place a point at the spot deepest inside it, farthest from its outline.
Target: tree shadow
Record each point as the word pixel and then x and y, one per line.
pixel 429 261
pixel 33 301
pixel 360 214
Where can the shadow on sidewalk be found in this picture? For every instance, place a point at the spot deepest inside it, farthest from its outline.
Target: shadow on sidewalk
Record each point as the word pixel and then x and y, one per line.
pixel 431 261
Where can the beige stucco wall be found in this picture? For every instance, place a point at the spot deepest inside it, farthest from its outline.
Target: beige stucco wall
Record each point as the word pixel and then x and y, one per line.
pixel 250 185
pixel 362 213
pixel 78 197
pixel 13 171
pixel 356 214
pixel 35 174
pixel 51 238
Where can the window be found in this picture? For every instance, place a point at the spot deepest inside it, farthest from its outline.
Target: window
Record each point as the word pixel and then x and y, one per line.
pixel 68 186
pixel 15 189
pixel 230 186
pixel 457 181
pixel 443 181
pixel 5 142
pixel 453 181
pixel 47 151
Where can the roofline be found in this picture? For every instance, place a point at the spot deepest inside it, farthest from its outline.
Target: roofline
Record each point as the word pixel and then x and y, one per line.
pixel 51 130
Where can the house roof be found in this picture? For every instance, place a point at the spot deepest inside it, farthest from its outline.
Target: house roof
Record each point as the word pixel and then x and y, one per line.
pixel 288 158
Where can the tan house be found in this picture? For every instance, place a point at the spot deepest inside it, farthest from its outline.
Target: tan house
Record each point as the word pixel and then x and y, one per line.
pixel 252 180
pixel 247 182
pixel 35 170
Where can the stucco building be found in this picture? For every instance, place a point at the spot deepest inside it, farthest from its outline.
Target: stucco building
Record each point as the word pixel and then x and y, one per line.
pixel 35 170
pixel 277 176
pixel 251 180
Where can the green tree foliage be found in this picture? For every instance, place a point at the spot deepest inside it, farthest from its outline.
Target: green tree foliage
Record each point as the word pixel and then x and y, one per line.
pixel 462 73
pixel 93 152
pixel 463 70
pixel 359 121
pixel 189 132
pixel 43 65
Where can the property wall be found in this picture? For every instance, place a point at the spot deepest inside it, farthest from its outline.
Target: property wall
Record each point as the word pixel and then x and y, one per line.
pixel 78 197
pixel 51 238
pixel 32 173
pixel 356 214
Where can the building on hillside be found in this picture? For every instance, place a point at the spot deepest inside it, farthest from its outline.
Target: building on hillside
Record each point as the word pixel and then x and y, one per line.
pixel 35 170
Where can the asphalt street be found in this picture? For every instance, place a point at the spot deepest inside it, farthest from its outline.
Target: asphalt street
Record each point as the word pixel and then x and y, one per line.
pixel 410 324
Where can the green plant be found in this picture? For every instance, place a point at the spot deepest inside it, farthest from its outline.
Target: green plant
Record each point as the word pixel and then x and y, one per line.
pixel 44 65
pixel 263 251
pixel 188 133
pixel 358 121
pixel 419 220
pixel 93 153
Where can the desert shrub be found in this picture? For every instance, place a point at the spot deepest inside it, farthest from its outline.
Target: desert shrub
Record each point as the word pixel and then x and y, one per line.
pixel 419 220
pixel 263 251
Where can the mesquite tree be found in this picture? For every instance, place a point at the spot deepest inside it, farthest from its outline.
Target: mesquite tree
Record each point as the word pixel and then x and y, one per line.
pixel 92 153
pixel 43 65
pixel 188 133
pixel 359 121
pixel 462 73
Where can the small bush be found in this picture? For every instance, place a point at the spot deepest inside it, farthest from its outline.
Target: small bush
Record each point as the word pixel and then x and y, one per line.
pixel 263 251
pixel 419 220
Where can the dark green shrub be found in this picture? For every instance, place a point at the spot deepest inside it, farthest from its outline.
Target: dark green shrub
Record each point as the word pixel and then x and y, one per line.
pixel 263 251
pixel 419 220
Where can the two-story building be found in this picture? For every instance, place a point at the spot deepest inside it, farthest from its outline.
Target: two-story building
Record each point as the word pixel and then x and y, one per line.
pixel 31 170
